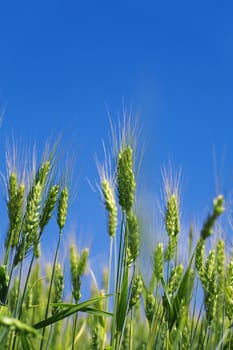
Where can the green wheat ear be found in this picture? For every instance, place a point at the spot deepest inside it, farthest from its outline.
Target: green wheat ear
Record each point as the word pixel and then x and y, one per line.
pixel 74 260
pixel 126 183
pixel 30 225
pixel 210 286
pixel 172 220
pixel 172 224
pixel 95 338
pixel 77 269
pixel 110 205
pixel 199 257
pixel 62 208
pixel 149 306
pixel 175 279
pixel 220 256
pixel 48 207
pixel 220 266
pixel 58 288
pixel 42 174
pixel 11 204
pixel 15 213
pixel 105 278
pixel 28 299
pixel 229 291
pixel 158 264
pixel 136 291
pixel 126 338
pixel 133 236
pixel 83 262
pixel 210 221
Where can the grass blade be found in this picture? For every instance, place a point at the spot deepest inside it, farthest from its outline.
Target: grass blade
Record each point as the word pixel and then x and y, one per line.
pixel 71 309
pixel 25 343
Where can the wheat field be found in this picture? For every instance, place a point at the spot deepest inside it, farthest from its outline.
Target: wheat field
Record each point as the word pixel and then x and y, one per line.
pixel 183 306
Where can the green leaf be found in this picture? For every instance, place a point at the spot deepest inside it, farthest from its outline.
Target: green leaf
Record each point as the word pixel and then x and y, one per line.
pixel 185 287
pixel 25 343
pixel 3 284
pixel 70 309
pixel 3 334
pixel 184 293
pixel 167 299
pixel 121 309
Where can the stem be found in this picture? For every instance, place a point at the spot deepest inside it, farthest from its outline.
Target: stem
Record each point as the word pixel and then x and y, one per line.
pixel 13 259
pixel 131 331
pixel 109 269
pixel 25 286
pixel 18 296
pixel 127 307
pixel 230 341
pixel 49 337
pixel 6 256
pixel 193 314
pixel 124 270
pixel 154 334
pixel 117 284
pixel 27 279
pixel 17 306
pixel 120 258
pixel 108 284
pixel 206 336
pixel 50 288
pixel 115 260
pixel 8 286
pixel 195 330
pixel 74 330
pixel 20 278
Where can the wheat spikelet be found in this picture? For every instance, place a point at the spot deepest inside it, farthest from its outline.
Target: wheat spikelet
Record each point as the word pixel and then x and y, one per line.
pixel 62 208
pixel 77 269
pixel 175 278
pixel 149 306
pixel 125 178
pixel 210 221
pixel 172 221
pixel 229 291
pixel 136 291
pixel 110 205
pixel 210 286
pixel 48 207
pixel 199 258
pixel 158 262
pixel 58 287
pixel 15 210
pixel 133 236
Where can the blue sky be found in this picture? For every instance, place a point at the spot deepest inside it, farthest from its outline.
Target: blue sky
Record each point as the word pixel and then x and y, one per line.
pixel 63 64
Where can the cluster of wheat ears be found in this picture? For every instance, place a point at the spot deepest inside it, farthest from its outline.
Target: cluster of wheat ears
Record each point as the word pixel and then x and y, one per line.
pixel 184 306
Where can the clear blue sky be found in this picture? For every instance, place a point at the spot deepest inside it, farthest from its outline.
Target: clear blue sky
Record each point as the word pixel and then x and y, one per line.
pixel 62 62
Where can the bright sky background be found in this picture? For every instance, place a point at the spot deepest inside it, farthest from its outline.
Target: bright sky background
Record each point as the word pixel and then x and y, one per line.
pixel 64 64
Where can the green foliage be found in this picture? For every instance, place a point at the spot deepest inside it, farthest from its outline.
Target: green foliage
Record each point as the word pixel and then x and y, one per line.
pixel 186 304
